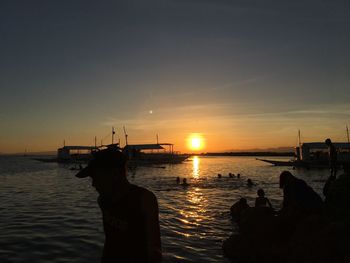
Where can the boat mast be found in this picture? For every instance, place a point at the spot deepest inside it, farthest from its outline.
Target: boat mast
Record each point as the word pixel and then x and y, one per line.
pixel 113 132
pixel 299 140
pixel 126 136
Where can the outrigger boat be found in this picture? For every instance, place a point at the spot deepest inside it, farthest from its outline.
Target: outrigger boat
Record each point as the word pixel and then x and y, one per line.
pixel 139 154
pixel 145 154
pixel 314 155
pixel 149 154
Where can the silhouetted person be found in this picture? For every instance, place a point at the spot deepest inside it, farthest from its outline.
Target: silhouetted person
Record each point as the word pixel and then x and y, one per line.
pixel 129 212
pixel 177 180
pixel 184 182
pixel 332 157
pixel 298 197
pixel 299 201
pixel 250 183
pixel 238 175
pixel 261 200
pixel 219 175
pixel 237 209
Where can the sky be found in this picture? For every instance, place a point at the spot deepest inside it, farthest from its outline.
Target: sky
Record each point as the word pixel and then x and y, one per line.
pixel 242 74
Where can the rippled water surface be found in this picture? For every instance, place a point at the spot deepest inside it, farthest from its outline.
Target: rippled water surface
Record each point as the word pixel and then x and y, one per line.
pixel 48 215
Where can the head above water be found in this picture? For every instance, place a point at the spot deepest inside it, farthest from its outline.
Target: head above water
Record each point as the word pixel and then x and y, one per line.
pixel 261 192
pixel 328 142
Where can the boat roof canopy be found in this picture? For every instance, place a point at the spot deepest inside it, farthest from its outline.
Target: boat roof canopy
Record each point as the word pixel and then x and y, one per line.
pixel 145 146
pixel 78 148
pixel 322 145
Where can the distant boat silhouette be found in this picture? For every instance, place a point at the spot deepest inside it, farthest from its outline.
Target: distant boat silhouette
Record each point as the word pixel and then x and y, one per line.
pixel 314 155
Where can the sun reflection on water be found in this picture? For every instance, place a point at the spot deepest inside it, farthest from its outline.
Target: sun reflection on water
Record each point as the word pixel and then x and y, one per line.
pixel 194 211
pixel 196 170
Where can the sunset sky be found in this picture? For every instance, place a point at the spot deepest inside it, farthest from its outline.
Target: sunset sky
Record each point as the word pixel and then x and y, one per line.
pixel 243 74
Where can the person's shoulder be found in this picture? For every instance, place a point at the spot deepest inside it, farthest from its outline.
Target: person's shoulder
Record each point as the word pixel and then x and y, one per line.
pixel 142 190
pixel 149 201
pixel 300 182
pixel 147 196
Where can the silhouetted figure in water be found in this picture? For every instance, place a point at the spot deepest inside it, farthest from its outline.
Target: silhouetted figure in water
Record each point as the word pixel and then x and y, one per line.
pixel 129 212
pixel 261 200
pixel 231 175
pixel 184 182
pixel 219 175
pixel 332 157
pixel 237 209
pixel 298 196
pixel 299 201
pixel 177 180
pixel 250 183
pixel 238 175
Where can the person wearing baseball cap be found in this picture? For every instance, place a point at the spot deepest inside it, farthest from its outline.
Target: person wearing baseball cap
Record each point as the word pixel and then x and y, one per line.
pixel 129 212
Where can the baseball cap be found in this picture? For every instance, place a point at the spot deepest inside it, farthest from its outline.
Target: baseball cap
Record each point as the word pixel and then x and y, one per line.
pixel 107 158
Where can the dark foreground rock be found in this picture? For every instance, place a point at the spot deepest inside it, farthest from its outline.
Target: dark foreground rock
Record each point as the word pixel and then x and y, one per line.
pixel 317 238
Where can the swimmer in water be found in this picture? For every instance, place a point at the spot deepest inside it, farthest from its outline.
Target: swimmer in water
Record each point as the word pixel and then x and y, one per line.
pixel 250 183
pixel 184 182
pixel 261 200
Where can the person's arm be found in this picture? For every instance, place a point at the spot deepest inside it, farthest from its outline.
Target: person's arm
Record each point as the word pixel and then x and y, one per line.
pixel 150 208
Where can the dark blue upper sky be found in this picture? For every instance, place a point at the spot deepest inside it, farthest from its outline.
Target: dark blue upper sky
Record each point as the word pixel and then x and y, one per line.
pixel 72 65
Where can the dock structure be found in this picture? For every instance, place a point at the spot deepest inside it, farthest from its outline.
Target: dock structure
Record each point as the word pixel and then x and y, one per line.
pixel 310 151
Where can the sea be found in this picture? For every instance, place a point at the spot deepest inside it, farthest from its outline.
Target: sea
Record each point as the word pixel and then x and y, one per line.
pixel 48 215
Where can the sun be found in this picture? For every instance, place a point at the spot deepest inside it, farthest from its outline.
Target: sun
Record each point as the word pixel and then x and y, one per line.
pixel 195 142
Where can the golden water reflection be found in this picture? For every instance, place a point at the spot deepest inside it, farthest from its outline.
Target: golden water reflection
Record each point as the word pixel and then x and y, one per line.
pixel 195 207
pixel 195 170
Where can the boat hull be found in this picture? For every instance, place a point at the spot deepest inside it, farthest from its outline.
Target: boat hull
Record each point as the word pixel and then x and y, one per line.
pixel 309 164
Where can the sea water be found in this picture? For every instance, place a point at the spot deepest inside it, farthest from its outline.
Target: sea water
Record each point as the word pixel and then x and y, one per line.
pixel 48 215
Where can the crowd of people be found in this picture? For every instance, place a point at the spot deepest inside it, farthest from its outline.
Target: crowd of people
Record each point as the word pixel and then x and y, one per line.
pixel 299 200
pixel 306 227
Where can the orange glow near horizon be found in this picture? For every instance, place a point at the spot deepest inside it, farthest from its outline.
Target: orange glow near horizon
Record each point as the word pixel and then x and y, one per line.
pixel 195 142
